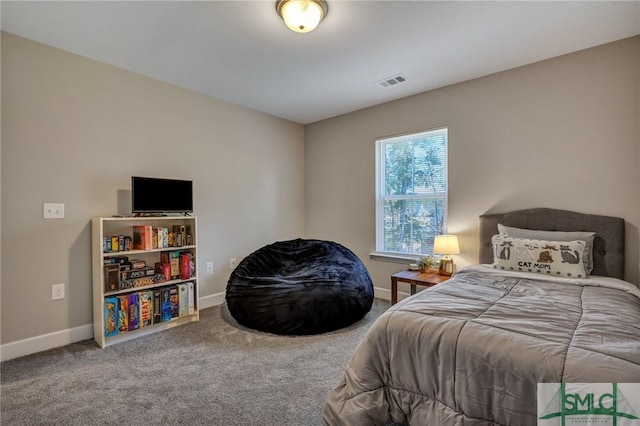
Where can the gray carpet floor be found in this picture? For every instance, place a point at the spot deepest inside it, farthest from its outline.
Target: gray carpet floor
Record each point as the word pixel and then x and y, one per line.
pixel 213 372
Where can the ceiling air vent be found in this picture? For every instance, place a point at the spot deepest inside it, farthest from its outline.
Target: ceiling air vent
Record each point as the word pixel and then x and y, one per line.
pixel 392 81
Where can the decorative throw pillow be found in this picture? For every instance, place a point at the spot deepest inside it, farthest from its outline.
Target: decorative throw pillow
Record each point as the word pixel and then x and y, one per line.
pixel 557 258
pixel 532 234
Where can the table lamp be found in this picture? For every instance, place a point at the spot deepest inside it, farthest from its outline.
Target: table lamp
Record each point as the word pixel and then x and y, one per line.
pixel 446 245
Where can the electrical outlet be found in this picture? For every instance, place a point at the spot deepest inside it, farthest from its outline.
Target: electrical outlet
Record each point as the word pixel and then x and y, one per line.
pixel 233 262
pixel 53 210
pixel 210 267
pixel 57 291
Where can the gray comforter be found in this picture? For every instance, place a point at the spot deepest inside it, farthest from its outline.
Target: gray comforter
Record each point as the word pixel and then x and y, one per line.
pixel 472 350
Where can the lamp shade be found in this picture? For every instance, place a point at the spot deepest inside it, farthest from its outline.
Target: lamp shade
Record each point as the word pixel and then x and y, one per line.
pixel 446 244
pixel 302 16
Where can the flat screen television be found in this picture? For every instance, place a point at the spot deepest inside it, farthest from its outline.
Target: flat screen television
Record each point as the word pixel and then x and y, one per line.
pixel 157 196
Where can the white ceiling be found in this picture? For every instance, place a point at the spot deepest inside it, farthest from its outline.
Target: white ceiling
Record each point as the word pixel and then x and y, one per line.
pixel 241 51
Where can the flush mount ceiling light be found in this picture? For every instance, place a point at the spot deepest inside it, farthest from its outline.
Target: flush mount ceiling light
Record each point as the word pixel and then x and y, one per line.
pixel 302 16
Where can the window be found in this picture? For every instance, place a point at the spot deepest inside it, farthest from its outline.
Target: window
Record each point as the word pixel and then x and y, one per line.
pixel 411 192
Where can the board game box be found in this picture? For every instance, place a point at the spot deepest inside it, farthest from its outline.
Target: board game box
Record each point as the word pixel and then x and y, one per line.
pixel 123 313
pixel 110 316
pixel 134 311
pixel 146 308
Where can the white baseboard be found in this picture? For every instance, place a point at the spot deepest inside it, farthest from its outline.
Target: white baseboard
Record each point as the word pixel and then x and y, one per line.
pixel 46 341
pixel 64 337
pixel 382 293
pixel 212 300
pixel 385 294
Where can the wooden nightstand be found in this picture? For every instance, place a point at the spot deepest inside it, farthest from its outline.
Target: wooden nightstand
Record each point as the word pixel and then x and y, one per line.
pixel 427 279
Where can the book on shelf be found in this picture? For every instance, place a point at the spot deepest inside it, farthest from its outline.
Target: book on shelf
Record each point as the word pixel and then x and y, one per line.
pixel 166 304
pixel 146 308
pixel 165 237
pixel 134 311
pixel 116 259
pixel 173 259
pixel 189 235
pixel 177 236
pixel 112 277
pixel 142 237
pixel 174 262
pixel 138 263
pixel 115 243
pixel 123 313
pixel 186 265
pixel 157 233
pixel 142 281
pixel 191 288
pixel 110 316
pixel 174 300
pixel 164 269
pixel 137 273
pixel 157 306
pixel 183 300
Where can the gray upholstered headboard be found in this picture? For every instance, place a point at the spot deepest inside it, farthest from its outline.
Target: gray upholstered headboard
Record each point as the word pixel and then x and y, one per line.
pixel 608 246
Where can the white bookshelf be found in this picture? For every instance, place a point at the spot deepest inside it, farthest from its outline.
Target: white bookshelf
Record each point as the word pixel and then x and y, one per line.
pixel 116 226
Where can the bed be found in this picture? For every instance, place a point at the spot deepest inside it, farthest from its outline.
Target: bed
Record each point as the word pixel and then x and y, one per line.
pixel 472 350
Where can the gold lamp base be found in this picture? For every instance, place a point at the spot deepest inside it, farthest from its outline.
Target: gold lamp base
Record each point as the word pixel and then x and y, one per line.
pixel 446 266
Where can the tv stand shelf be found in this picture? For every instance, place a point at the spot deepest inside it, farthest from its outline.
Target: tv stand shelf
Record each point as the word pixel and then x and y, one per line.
pixel 102 296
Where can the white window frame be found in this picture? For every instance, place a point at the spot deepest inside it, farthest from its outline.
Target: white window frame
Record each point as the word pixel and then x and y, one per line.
pixel 381 197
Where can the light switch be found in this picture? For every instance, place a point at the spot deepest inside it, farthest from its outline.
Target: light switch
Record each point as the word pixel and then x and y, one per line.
pixel 53 210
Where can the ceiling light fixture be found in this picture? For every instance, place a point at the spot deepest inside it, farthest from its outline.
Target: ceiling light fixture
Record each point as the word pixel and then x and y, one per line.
pixel 302 16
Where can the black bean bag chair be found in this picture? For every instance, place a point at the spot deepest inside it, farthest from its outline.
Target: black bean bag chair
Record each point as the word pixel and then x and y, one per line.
pixel 299 287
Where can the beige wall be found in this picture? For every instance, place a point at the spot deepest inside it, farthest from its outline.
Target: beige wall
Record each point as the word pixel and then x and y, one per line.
pixel 74 131
pixel 562 133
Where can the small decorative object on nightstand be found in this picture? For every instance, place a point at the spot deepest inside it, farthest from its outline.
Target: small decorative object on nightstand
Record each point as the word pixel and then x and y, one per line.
pixel 426 263
pixel 446 245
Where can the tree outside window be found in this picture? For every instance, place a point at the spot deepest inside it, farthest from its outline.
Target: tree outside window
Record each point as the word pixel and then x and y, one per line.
pixel 411 205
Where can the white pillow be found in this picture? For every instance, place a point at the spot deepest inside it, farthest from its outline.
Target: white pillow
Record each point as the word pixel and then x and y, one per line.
pixel 533 234
pixel 557 258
